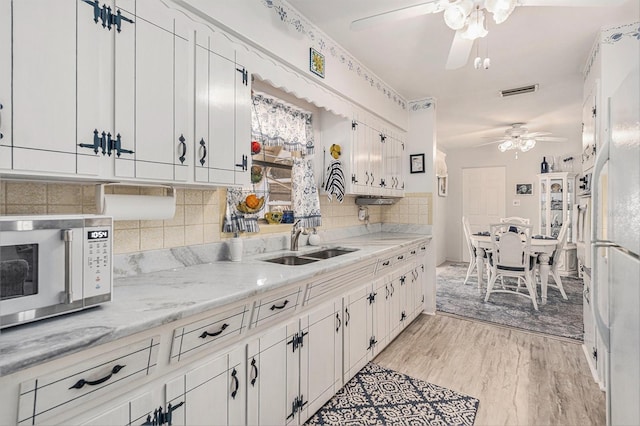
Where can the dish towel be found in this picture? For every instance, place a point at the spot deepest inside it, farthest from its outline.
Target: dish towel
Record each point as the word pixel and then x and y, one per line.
pixel 234 220
pixel 306 204
pixel 335 181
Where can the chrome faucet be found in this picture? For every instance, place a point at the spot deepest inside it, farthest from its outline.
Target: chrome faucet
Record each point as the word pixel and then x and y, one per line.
pixel 295 235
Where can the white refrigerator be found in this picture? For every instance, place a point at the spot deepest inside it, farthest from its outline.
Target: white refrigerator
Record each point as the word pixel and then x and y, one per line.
pixel 615 250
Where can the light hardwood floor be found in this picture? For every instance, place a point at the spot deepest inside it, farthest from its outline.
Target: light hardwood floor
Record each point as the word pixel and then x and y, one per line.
pixel 520 378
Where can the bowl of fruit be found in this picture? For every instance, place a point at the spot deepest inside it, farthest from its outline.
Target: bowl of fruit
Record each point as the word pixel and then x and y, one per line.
pixel 251 204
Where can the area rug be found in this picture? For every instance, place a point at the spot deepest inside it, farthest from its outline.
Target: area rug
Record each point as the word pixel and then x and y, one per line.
pixel 378 396
pixel 557 317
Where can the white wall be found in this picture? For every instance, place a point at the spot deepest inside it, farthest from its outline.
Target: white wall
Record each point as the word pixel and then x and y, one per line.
pixel 521 170
pixel 277 39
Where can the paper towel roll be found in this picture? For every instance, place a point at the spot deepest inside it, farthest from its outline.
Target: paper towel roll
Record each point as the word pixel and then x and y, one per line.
pixel 136 207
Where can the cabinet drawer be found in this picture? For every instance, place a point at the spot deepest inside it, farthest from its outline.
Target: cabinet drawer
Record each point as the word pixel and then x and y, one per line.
pixel 276 306
pixel 385 264
pixel 337 282
pixel 200 335
pixel 47 396
pixel 412 252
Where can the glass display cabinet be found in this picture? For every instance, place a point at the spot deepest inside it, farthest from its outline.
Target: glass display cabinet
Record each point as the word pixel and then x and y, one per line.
pixel 557 198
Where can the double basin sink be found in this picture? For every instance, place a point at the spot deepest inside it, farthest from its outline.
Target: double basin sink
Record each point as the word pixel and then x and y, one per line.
pixel 303 259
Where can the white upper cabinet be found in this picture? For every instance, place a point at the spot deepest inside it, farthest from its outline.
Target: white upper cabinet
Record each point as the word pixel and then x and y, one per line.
pixel 371 154
pixel 94 127
pixel 5 85
pixel 222 111
pixel 151 92
pixel 44 85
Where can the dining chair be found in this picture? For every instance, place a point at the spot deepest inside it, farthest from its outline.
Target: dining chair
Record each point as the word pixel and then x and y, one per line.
pixel 472 250
pixel 511 257
pixel 515 219
pixel 554 261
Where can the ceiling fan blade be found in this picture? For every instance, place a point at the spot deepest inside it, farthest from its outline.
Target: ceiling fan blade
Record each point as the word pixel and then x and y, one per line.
pixel 397 14
pixel 570 3
pixel 492 142
pixel 459 53
pixel 536 134
pixel 551 139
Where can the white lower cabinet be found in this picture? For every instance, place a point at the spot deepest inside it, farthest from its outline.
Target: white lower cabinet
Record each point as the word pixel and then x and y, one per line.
pixel 358 325
pixel 320 357
pixel 290 366
pixel 295 368
pixel 271 376
pixel 211 393
pixel 136 411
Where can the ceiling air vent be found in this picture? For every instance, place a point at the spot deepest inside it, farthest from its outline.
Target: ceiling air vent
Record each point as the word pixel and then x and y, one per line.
pixel 519 90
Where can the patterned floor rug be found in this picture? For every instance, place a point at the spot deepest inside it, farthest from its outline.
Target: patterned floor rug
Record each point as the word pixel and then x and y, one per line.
pixel 558 317
pixel 378 396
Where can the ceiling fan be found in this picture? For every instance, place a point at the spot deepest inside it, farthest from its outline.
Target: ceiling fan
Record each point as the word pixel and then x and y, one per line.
pixel 518 138
pixel 467 17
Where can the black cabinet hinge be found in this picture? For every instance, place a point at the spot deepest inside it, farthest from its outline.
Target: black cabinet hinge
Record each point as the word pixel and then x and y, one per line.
pixel 245 75
pixel 106 16
pixel 354 124
pixel 403 316
pixel 297 340
pixel 594 111
pixel 372 297
pixel 297 405
pixel 594 353
pixel 372 342
pixel 383 138
pixel 353 179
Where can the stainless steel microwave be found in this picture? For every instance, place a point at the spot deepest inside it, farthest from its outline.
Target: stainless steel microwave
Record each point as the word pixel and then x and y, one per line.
pixel 51 265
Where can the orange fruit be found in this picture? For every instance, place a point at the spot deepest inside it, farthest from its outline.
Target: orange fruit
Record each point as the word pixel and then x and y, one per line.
pixel 252 201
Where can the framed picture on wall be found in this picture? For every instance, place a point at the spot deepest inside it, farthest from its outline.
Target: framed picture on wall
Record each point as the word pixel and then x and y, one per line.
pixel 524 188
pixel 417 163
pixel 443 186
pixel 316 62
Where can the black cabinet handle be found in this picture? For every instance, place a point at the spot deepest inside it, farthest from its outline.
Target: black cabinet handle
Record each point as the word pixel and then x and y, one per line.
pixel 393 289
pixel 236 383
pixel 183 145
pixel 339 322
pixel 385 263
pixel 373 179
pixel 347 317
pixel 387 289
pixel 243 164
pixel 217 333
pixel 80 383
pixel 254 372
pixel 402 278
pixel 203 149
pixel 367 175
pixel 274 307
pixel 400 257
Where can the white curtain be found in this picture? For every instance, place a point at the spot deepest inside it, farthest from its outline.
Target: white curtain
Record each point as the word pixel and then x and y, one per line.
pixel 276 123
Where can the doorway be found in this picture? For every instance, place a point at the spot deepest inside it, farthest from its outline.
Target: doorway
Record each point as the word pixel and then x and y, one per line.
pixel 483 199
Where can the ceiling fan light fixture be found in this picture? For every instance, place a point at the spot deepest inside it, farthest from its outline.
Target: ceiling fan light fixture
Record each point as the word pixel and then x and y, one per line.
pixel 475 29
pixel 477 63
pixel 501 9
pixel 455 15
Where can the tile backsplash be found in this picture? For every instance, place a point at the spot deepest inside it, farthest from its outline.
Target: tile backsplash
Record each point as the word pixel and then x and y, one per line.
pixel 198 218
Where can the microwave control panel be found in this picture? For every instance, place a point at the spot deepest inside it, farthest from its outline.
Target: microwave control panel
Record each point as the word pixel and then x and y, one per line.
pixel 98 258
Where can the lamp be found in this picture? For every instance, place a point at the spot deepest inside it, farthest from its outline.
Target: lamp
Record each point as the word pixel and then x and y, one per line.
pixel 461 15
pixel 456 14
pixel 501 9
pixel 516 142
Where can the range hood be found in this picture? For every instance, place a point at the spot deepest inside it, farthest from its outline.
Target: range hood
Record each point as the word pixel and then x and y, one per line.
pixel 376 201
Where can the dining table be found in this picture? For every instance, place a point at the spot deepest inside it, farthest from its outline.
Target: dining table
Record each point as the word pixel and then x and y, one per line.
pixel 542 247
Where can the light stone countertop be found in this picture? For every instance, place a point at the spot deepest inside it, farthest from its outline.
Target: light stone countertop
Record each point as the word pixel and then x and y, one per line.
pixel 148 300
